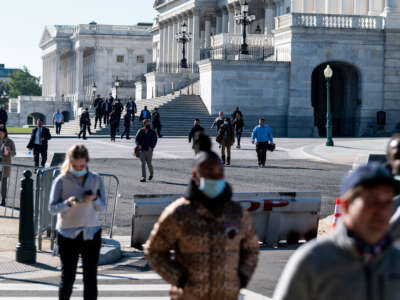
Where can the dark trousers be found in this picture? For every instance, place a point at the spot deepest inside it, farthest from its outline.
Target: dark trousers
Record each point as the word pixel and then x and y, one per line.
pixel 157 128
pixel 39 150
pixel 118 122
pixel 113 131
pixel 3 187
pixel 70 249
pixel 106 119
pixel 58 128
pixel 126 131
pixel 83 130
pixel 238 137
pixel 97 118
pixel 261 149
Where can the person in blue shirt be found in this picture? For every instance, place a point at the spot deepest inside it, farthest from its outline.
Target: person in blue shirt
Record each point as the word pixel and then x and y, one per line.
pixel 262 135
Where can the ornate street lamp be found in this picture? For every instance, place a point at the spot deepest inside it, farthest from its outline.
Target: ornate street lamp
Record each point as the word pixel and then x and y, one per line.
pixel 244 19
pixel 116 84
pixel 328 73
pixel 183 37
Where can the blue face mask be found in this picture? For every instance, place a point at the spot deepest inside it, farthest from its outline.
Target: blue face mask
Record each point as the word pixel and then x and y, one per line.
pixel 78 173
pixel 212 188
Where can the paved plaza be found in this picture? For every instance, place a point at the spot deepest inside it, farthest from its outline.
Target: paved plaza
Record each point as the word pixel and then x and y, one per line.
pixel 296 165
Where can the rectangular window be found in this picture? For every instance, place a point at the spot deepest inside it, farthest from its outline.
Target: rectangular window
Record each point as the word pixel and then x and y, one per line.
pixel 140 59
pixel 120 59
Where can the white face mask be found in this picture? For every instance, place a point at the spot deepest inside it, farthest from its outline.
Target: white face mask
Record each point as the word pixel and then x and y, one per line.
pixel 212 188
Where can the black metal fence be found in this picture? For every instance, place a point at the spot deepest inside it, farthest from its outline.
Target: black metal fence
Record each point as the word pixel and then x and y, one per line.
pixel 172 68
pixel 256 53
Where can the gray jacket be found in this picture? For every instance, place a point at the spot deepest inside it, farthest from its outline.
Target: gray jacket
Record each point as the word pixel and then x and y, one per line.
pixel 332 269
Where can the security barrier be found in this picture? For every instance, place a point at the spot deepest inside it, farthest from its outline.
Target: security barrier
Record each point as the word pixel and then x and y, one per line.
pixel 276 216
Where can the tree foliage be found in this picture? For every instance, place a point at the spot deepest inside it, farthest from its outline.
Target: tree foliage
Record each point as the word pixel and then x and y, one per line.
pixel 24 84
pixel 4 87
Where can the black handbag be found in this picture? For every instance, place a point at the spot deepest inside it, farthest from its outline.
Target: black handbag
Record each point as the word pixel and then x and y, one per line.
pixel 271 147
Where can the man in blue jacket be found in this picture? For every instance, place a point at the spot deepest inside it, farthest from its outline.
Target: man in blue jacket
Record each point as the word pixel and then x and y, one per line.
pixel 262 135
pixel 146 140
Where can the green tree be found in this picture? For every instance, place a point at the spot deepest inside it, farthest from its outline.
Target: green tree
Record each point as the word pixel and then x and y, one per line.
pixel 4 88
pixel 23 83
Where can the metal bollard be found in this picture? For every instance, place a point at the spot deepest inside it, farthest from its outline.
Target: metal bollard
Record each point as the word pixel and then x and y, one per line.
pixel 26 249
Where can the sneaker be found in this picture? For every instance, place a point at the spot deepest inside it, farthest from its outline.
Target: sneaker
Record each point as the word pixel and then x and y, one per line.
pixel 143 179
pixel 150 177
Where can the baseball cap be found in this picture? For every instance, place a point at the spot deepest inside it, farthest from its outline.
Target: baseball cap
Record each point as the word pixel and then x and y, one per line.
pixel 370 174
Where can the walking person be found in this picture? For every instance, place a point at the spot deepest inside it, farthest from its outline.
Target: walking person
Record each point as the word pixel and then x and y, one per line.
pixel 213 238
pixel 114 121
pixel 235 112
pixel 131 108
pixel 146 141
pixel 58 120
pixel 127 125
pixel 156 122
pixel 76 196
pixel 238 125
pixel 118 108
pixel 98 108
pixel 262 135
pixel 144 114
pixel 226 139
pixel 3 116
pixel 196 128
pixel 106 109
pixel 39 143
pixel 84 123
pixel 218 121
pixel 359 260
pixel 7 152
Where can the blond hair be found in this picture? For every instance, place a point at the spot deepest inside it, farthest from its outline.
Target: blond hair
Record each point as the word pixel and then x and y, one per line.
pixel 75 152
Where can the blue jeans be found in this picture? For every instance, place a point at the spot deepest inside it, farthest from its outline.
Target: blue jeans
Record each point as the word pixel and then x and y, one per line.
pixel 238 137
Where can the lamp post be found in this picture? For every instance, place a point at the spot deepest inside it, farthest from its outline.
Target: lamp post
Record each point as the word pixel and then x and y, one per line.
pixel 244 19
pixel 328 73
pixel 183 37
pixel 116 84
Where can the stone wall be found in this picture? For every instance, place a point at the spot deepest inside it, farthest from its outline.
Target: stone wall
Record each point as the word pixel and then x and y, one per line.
pixel 311 47
pixel 160 84
pixel 259 89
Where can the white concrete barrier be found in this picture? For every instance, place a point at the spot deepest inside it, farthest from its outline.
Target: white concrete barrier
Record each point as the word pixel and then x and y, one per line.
pixel 276 216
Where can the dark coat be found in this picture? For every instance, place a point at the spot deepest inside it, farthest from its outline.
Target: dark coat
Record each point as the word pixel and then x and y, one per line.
pixel 84 119
pixel 107 109
pixel 195 129
pixel 238 124
pixel 3 116
pixel 233 115
pixel 114 119
pixel 148 114
pixel 131 106
pixel 146 140
pixel 218 122
pixel 98 105
pixel 45 136
pixel 127 120
pixel 155 118
pixel 225 135
pixel 118 107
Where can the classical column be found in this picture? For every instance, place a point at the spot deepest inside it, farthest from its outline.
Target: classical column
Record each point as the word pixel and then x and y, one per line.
pixel 196 32
pixel 269 20
pixel 237 27
pixel 189 46
pixel 231 19
pixel 174 43
pixel 57 73
pixel 319 6
pixel 162 46
pixel 79 73
pixel 360 7
pixel 218 22
pixel 178 45
pixel 207 32
pixel 224 28
pixel 202 39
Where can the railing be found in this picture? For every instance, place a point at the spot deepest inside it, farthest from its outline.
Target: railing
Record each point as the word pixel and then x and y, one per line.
pixel 233 53
pixel 43 221
pixel 228 39
pixel 329 21
pixel 44 98
pixel 173 68
pixel 111 29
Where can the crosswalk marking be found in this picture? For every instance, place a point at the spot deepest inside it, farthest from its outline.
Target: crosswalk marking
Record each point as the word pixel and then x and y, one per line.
pixel 133 276
pixel 79 287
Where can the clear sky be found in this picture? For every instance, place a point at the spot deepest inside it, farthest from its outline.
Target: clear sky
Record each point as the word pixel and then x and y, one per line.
pixel 22 23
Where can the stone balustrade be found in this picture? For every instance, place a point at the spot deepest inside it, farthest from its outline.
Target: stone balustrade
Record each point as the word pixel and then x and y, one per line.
pixel 329 21
pixel 228 39
pixel 110 29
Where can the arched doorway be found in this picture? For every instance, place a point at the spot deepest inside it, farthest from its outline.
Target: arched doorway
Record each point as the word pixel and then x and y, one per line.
pixel 345 100
pixel 66 115
pixel 33 117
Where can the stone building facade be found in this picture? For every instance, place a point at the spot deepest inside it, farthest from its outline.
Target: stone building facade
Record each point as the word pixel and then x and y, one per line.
pixel 77 57
pixel 360 39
